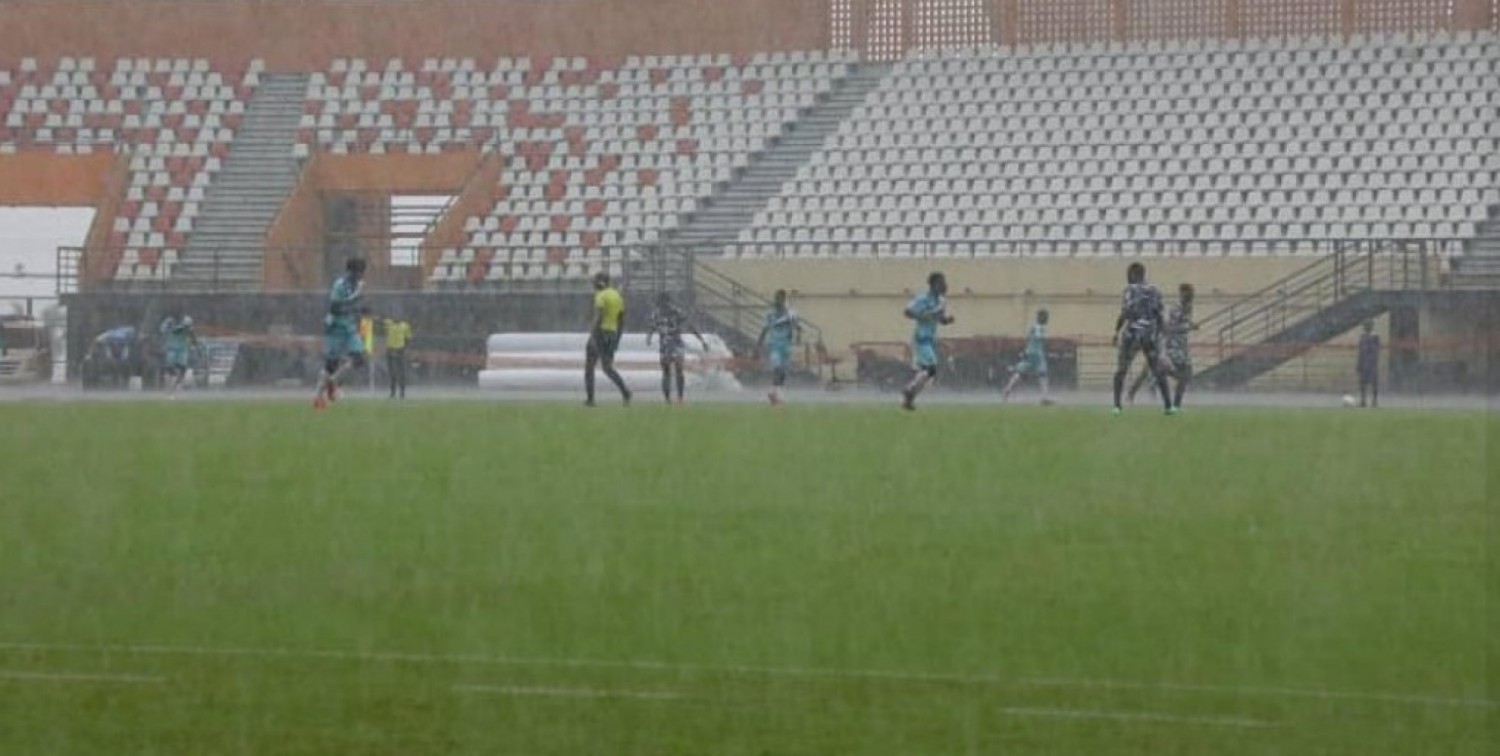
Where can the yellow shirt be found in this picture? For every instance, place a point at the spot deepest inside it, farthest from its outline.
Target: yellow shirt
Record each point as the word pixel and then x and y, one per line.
pixel 609 304
pixel 367 333
pixel 397 333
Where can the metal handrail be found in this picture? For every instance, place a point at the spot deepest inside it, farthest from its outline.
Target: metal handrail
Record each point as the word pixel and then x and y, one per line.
pixel 946 248
pixel 1358 268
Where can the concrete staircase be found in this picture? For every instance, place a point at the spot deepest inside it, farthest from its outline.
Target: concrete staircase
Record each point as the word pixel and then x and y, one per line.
pixel 734 207
pixel 1479 266
pixel 226 249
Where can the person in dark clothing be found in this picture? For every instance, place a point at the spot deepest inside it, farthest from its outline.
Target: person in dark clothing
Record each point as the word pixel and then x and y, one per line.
pixel 1137 331
pixel 1368 366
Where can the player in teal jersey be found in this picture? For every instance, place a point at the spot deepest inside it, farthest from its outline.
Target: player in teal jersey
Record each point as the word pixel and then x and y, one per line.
pixel 178 337
pixel 1033 362
pixel 341 331
pixel 929 310
pixel 783 328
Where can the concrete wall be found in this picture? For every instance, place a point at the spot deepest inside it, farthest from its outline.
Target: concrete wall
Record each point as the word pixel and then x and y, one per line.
pixel 861 300
pixel 294 244
pixel 292 34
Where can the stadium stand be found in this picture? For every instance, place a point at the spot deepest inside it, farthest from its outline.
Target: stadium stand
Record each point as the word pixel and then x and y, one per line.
pixel 602 154
pixel 173 117
pixel 990 150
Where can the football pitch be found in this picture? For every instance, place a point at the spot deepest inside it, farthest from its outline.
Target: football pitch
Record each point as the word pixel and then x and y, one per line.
pixel 477 578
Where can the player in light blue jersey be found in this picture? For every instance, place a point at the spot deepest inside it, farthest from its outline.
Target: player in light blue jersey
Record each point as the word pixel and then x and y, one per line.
pixel 341 331
pixel 1033 362
pixel 929 310
pixel 177 336
pixel 781 330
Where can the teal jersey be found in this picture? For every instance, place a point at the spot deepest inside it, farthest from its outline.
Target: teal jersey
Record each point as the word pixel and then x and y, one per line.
pixel 343 301
pixel 1036 341
pixel 781 328
pixel 928 309
pixel 176 333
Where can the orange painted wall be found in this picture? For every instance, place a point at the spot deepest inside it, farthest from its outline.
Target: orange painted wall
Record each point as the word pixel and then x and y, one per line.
pixel 291 262
pixel 294 243
pixel 474 199
pixel 394 174
pixel 308 33
pixel 37 177
pixel 40 178
pixel 100 259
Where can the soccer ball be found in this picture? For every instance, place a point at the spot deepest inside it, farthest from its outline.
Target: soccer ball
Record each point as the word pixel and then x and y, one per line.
pixel 1349 400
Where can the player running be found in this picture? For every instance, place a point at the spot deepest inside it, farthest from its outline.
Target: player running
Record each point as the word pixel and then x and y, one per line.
pixel 177 332
pixel 1179 362
pixel 1137 331
pixel 667 324
pixel 1033 360
pixel 341 331
pixel 930 310
pixel 785 329
pixel 604 338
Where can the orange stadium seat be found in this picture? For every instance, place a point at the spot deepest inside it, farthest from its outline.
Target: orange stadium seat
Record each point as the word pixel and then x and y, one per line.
pixel 168 115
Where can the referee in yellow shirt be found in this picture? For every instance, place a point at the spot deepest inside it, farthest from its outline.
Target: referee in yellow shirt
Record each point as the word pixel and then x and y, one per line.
pixel 609 322
pixel 397 336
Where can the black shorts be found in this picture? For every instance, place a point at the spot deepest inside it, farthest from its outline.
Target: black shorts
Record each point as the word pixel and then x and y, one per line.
pixel 602 344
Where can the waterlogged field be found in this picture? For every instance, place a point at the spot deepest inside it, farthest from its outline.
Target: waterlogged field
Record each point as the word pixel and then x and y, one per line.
pixel 256 578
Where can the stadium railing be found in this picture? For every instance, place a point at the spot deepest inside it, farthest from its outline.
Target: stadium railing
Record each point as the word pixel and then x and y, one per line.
pixel 1061 247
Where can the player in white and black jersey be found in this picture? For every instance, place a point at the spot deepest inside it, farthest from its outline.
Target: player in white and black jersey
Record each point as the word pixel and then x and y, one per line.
pixel 667 325
pixel 1138 330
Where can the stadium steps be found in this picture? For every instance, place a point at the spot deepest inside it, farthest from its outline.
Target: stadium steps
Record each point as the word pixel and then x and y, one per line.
pixel 1298 337
pixel 227 246
pixel 730 309
pixel 734 207
pixel 1479 265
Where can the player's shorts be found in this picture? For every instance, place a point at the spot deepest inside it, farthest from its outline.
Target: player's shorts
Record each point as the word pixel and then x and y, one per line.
pixel 925 354
pixel 1029 365
pixel 176 357
pixel 603 344
pixel 340 339
pixel 672 350
pixel 1181 363
pixel 1138 342
pixel 781 356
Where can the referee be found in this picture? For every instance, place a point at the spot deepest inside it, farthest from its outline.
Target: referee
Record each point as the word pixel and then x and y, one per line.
pixel 397 337
pixel 604 339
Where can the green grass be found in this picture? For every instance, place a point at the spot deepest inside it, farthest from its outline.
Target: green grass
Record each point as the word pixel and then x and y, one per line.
pixel 820 580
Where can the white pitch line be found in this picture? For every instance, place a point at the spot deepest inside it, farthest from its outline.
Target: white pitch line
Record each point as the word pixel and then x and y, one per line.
pixel 586 693
pixel 1136 716
pixel 78 677
pixel 1413 699
pixel 1266 691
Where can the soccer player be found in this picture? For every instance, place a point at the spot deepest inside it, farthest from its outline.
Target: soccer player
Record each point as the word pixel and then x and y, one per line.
pixel 341 331
pixel 667 324
pixel 929 310
pixel 1179 361
pixel 397 336
pixel 784 328
pixel 177 332
pixel 1137 331
pixel 1033 359
pixel 1368 365
pixel 604 338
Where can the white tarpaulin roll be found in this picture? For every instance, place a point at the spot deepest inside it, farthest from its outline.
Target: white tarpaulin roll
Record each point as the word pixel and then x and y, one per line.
pixel 555 361
pixel 643 382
